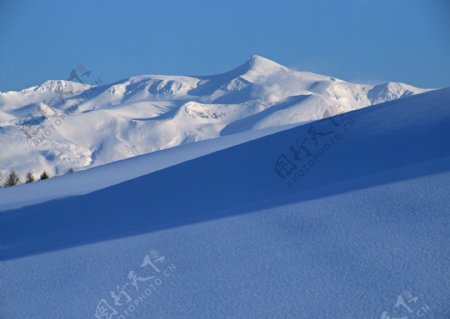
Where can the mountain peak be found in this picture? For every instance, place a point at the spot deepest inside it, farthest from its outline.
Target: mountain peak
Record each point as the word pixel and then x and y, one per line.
pixel 258 62
pixel 257 66
pixel 55 85
pixel 260 59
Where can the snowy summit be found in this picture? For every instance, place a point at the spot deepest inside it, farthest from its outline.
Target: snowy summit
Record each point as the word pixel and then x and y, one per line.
pixel 60 125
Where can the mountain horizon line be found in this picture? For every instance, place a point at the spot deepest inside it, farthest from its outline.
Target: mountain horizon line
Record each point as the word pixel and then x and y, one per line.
pixel 253 62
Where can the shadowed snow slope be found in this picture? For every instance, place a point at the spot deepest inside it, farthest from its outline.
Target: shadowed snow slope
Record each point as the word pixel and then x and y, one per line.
pixel 60 124
pixel 110 174
pixel 332 219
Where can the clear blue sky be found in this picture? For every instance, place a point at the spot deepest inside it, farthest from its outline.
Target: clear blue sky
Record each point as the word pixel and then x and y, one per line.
pixel 359 40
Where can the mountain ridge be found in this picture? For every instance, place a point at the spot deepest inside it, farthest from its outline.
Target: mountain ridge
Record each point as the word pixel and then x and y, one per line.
pixel 61 124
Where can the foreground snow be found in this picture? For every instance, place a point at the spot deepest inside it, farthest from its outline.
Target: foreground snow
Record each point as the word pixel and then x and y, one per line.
pixel 338 257
pixel 362 229
pixel 61 125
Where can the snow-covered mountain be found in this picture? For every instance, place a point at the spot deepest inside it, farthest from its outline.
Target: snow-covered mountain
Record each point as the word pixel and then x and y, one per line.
pixel 61 124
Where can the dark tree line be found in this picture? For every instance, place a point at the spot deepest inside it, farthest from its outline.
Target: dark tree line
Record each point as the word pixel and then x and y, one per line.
pixel 13 179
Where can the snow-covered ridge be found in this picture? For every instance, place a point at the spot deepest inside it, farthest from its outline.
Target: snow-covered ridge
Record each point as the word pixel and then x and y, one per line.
pixel 61 124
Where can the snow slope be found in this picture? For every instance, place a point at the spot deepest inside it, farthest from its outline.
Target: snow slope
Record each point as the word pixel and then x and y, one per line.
pixel 362 232
pixel 60 124
pixel 96 178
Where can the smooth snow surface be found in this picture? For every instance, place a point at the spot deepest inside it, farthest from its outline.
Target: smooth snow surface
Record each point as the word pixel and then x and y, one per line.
pixel 363 232
pixel 106 175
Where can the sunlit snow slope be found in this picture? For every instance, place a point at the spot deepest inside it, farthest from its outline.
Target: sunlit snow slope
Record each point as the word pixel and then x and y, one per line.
pixel 342 218
pixel 60 125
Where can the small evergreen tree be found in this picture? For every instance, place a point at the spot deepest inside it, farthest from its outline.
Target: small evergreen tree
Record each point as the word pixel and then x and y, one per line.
pixel 44 175
pixel 30 178
pixel 12 179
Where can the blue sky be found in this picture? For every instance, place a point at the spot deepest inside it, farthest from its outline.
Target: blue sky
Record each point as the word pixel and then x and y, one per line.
pixel 361 40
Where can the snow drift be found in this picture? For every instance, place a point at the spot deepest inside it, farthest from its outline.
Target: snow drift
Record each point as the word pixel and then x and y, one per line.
pixel 280 226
